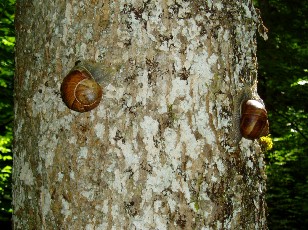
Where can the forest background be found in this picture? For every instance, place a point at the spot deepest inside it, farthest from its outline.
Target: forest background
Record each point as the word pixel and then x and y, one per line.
pixel 283 85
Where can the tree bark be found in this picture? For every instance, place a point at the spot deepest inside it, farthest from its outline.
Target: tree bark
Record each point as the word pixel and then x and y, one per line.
pixel 162 150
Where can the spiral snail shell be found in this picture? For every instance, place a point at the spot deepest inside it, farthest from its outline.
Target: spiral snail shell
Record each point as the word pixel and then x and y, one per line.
pixel 254 122
pixel 79 90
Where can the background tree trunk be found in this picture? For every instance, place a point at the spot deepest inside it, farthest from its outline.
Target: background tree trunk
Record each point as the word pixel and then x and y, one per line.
pixel 162 150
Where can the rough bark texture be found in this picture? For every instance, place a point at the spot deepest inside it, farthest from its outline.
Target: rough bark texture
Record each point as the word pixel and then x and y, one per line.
pixel 162 150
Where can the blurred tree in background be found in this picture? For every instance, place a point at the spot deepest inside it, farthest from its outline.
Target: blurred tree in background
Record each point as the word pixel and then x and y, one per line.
pixel 283 84
pixel 7 41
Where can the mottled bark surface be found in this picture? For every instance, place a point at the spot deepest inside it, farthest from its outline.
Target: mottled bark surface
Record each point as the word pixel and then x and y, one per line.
pixel 162 150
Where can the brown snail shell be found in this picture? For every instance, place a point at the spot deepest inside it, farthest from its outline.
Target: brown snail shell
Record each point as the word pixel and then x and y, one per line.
pixel 79 91
pixel 254 123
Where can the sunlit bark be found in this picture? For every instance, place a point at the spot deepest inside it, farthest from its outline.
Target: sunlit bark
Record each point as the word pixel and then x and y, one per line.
pixel 162 150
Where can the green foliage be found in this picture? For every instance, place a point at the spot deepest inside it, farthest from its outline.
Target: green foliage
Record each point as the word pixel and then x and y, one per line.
pixel 7 42
pixel 283 84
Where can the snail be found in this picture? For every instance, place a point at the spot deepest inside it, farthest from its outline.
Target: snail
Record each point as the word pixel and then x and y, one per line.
pixel 80 90
pixel 253 123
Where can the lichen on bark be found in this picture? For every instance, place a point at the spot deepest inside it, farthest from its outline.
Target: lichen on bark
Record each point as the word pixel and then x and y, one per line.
pixel 159 151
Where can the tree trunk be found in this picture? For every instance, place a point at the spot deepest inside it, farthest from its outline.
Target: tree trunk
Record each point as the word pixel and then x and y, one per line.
pixel 162 150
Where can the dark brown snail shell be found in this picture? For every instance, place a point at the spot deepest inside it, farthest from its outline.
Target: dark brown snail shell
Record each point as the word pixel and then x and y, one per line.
pixel 79 91
pixel 254 123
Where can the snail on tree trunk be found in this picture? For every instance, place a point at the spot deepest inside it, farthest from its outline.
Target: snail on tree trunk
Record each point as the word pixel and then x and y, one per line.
pixel 254 122
pixel 80 90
